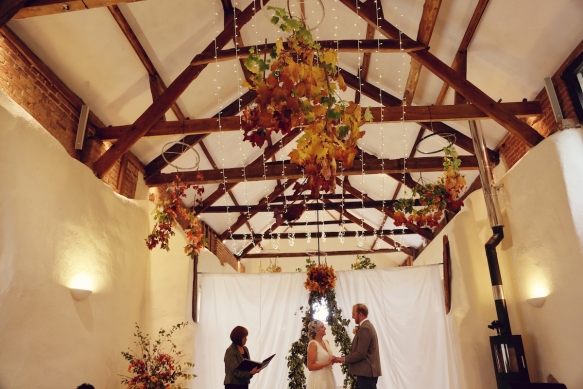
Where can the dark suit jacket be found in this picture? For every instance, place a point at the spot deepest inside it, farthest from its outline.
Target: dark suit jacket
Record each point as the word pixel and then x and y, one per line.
pixel 364 358
pixel 232 359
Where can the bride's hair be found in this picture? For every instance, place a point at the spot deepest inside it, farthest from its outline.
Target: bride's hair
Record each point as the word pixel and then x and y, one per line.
pixel 312 327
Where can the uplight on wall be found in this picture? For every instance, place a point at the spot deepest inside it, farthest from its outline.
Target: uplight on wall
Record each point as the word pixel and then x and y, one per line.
pixel 81 287
pixel 539 294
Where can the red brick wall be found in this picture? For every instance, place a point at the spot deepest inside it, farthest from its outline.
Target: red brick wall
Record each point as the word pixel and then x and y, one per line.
pixel 511 149
pixel 49 105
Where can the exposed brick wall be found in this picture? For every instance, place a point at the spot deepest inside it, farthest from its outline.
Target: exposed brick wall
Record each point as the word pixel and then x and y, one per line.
pixel 47 103
pixel 27 87
pixel 511 149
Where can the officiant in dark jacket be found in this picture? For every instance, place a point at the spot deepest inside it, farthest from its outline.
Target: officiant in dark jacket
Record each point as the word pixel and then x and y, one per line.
pixel 235 354
pixel 364 360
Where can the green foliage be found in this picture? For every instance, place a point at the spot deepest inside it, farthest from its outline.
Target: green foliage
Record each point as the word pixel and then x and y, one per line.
pixel 309 264
pixel 362 262
pixel 298 353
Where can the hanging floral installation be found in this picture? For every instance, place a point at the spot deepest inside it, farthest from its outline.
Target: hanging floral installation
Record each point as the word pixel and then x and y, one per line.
pixel 320 281
pixel 157 364
pixel 363 262
pixel 301 91
pixel 169 209
pixel 434 198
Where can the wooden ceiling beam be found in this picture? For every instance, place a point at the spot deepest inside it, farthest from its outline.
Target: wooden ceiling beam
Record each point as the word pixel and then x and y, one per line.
pixel 461 140
pixel 387 210
pixel 271 171
pixel 392 114
pixel 367 227
pixel 329 234
pixel 271 228
pixel 159 163
pixel 156 83
pixel 170 95
pixel 8 9
pixel 465 43
pixel 35 8
pixel 342 46
pixel 280 208
pixel 473 94
pixel 328 253
pixel 256 165
pixel 365 66
pixel 247 216
pixel 426 26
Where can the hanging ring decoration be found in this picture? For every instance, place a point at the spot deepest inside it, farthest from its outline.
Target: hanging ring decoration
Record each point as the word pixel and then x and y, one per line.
pixel 449 136
pixel 292 6
pixel 170 154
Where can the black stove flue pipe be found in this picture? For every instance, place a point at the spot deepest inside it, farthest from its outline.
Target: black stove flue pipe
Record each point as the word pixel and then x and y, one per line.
pixel 502 325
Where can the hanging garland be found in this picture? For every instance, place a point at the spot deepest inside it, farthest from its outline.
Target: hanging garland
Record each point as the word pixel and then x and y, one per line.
pixel 434 198
pixel 169 208
pixel 301 91
pixel 363 262
pixel 320 281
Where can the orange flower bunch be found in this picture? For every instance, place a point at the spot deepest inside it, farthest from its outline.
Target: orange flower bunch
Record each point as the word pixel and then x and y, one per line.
pixel 169 208
pixel 153 368
pixel 434 198
pixel 320 279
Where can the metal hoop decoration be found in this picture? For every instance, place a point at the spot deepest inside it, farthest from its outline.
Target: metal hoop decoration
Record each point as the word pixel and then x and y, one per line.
pixel 311 253
pixel 269 14
pixel 449 136
pixel 167 149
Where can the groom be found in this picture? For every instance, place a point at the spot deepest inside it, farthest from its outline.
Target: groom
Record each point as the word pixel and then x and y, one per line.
pixel 364 360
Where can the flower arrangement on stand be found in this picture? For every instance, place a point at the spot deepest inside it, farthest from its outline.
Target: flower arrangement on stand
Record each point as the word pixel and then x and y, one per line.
pixel 156 365
pixel 320 281
pixel 434 198
pixel 167 214
pixel 301 91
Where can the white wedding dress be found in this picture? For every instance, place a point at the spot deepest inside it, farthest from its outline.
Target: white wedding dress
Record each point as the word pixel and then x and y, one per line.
pixel 323 378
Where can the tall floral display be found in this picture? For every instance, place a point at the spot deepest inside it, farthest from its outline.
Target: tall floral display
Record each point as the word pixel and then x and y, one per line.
pixel 156 364
pixel 320 281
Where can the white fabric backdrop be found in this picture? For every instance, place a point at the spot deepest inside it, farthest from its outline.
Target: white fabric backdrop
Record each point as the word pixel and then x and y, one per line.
pixel 405 305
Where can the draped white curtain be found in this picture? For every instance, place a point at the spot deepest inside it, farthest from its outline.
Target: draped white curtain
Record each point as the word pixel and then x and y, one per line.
pixel 405 305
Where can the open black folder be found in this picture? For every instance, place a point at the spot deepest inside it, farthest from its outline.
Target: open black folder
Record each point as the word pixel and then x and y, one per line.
pixel 249 365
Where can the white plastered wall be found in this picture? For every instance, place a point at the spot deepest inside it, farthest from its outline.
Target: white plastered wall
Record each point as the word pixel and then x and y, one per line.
pixel 541 253
pixel 58 221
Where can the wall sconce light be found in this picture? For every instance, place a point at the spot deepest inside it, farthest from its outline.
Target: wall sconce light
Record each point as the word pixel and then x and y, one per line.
pixel 80 294
pixel 81 287
pixel 536 302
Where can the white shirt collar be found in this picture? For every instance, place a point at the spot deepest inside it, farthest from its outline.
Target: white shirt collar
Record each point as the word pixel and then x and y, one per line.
pixel 365 319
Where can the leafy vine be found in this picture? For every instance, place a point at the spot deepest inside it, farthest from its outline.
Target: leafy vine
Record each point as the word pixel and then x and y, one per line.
pixel 298 353
pixel 301 91
pixel 434 198
pixel 363 262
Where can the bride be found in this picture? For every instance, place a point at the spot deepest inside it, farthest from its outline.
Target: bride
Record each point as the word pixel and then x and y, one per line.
pixel 319 358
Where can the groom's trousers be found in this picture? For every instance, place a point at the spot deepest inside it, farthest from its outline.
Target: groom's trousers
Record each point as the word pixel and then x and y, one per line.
pixel 367 382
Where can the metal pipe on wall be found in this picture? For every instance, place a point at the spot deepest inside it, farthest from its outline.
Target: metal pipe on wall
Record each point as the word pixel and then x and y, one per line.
pixel 502 325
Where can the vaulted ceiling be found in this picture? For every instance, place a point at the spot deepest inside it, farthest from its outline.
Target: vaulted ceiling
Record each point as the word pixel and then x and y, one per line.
pixel 161 71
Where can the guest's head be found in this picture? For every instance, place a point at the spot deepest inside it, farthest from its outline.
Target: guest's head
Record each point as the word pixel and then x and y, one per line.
pixel 359 313
pixel 239 335
pixel 316 328
pixel 85 386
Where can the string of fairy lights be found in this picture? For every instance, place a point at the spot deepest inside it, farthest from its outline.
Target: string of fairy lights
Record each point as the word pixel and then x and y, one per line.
pixel 273 236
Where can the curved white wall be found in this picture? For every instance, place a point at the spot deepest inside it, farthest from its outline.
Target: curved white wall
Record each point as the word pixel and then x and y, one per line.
pixel 541 251
pixel 58 221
